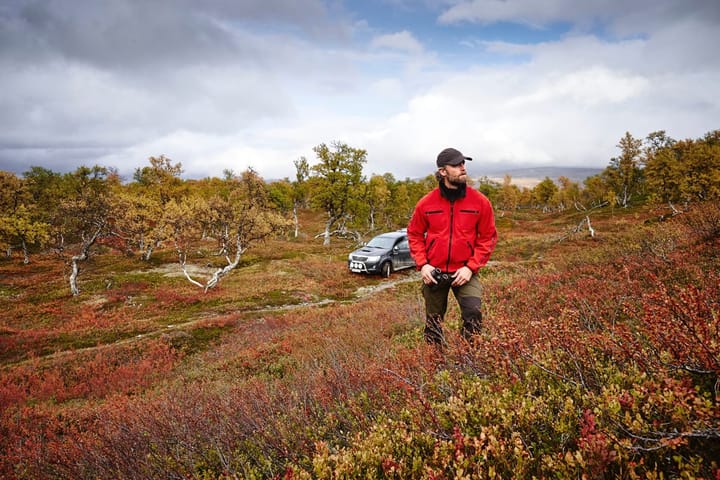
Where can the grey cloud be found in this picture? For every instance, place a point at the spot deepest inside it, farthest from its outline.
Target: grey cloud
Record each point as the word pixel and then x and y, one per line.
pixel 91 77
pixel 222 82
pixel 111 34
pixel 20 159
pixel 61 105
pixel 135 33
pixel 619 16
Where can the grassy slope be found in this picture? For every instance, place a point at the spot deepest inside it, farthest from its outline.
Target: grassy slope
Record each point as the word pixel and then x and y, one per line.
pixel 125 299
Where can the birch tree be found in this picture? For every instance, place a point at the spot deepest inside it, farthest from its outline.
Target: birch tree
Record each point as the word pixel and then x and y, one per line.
pixel 544 192
pixel 84 216
pixel 20 223
pixel 624 175
pixel 237 218
pixel 45 189
pixel 377 200
pixel 337 179
pixel 142 204
pixel 508 196
pixel 300 190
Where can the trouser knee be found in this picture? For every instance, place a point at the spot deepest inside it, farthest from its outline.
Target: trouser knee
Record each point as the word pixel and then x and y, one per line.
pixel 470 310
pixel 433 329
pixel 471 326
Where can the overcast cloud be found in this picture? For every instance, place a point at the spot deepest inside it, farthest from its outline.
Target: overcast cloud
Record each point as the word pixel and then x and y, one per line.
pixel 224 84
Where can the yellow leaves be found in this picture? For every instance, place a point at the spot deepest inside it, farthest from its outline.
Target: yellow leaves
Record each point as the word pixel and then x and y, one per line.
pixel 236 216
pixel 21 223
pixel 574 459
pixel 180 221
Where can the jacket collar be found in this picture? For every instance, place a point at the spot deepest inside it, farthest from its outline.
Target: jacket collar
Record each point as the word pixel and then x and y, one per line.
pixel 452 194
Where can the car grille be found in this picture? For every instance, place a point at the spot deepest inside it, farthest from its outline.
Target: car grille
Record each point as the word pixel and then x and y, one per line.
pixel 359 258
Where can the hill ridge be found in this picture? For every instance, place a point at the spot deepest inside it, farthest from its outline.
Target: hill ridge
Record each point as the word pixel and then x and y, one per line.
pixel 531 176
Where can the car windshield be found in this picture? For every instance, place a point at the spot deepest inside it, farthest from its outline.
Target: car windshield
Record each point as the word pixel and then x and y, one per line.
pixel 381 242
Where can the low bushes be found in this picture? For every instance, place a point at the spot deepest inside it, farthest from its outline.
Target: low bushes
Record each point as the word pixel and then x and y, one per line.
pixel 603 364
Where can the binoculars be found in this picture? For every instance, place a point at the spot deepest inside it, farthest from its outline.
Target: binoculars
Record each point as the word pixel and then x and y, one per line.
pixel 441 278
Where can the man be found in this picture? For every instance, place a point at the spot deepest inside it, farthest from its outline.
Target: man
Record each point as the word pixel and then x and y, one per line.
pixel 452 235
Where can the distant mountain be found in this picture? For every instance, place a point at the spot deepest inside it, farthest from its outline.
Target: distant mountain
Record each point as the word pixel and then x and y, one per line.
pixel 531 176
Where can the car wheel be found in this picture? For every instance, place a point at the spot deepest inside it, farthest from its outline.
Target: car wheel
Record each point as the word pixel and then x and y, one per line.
pixel 386 269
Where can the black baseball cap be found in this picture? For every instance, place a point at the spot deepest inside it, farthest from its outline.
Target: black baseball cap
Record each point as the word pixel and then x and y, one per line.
pixel 450 156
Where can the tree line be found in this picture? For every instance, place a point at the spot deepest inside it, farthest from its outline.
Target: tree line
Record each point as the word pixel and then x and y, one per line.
pixel 656 169
pixel 72 214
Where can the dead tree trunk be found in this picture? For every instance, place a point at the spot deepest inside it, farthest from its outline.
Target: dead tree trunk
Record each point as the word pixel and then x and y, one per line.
pixel 75 271
pixel 26 254
pixel 217 275
pixel 578 228
pixel 87 243
pixel 590 228
pixel 221 272
pixel 296 222
pixel 328 225
pixel 675 211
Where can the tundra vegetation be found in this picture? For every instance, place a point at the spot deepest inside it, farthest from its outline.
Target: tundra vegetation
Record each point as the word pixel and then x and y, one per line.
pixel 212 330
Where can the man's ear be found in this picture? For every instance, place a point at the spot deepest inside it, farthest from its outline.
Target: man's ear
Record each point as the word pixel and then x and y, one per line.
pixel 442 172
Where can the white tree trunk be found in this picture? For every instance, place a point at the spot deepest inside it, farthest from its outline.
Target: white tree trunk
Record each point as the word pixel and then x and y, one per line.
pixel 217 275
pixel 75 271
pixel 590 229
pixel 81 257
pixel 295 220
pixel 221 272
pixel 326 235
pixel 182 258
pixel 26 255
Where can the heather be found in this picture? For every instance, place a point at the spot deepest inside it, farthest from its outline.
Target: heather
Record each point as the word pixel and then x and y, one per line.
pixel 599 358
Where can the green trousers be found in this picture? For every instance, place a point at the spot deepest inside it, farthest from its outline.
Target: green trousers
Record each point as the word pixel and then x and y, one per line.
pixel 436 302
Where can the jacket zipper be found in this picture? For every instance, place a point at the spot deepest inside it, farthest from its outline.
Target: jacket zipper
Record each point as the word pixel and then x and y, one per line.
pixel 452 214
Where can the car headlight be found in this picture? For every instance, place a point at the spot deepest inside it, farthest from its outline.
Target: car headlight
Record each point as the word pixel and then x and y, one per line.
pixel 349 257
pixel 373 259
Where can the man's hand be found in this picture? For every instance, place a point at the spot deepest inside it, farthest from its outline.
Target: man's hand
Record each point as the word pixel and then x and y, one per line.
pixel 461 277
pixel 426 272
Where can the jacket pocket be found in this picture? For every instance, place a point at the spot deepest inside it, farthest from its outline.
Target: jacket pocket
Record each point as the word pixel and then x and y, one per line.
pixel 437 221
pixel 468 219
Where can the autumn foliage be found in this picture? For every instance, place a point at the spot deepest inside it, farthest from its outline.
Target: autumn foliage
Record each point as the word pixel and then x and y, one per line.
pixel 599 358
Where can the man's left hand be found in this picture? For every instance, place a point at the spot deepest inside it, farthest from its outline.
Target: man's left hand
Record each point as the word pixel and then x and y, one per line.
pixel 461 277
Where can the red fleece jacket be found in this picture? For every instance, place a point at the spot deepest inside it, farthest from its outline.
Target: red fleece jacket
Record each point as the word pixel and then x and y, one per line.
pixel 449 235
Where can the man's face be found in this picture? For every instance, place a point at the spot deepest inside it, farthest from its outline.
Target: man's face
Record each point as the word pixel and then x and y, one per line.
pixel 454 174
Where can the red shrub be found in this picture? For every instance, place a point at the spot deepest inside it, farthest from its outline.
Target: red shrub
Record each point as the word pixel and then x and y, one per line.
pixel 595 446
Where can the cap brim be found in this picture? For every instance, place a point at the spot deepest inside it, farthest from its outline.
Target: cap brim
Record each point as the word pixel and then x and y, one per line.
pixel 457 162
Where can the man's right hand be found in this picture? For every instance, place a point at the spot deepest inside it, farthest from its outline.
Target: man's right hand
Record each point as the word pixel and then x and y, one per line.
pixel 427 276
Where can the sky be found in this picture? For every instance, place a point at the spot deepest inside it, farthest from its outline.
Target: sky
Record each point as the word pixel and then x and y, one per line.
pixel 219 85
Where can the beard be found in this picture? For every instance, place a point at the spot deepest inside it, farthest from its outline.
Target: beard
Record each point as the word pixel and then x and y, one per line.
pixel 457 180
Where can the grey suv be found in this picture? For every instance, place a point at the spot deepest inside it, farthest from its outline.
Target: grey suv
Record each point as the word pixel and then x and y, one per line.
pixel 384 254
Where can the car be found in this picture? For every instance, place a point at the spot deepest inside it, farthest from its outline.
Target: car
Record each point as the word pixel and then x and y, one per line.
pixel 384 254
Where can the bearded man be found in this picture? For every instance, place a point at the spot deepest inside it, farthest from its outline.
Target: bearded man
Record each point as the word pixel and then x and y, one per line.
pixel 452 235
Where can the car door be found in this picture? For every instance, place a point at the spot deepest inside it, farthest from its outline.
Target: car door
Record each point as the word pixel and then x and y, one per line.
pixel 402 258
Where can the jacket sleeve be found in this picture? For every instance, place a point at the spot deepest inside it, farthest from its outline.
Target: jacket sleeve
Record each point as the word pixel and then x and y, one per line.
pixel 486 237
pixel 416 236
